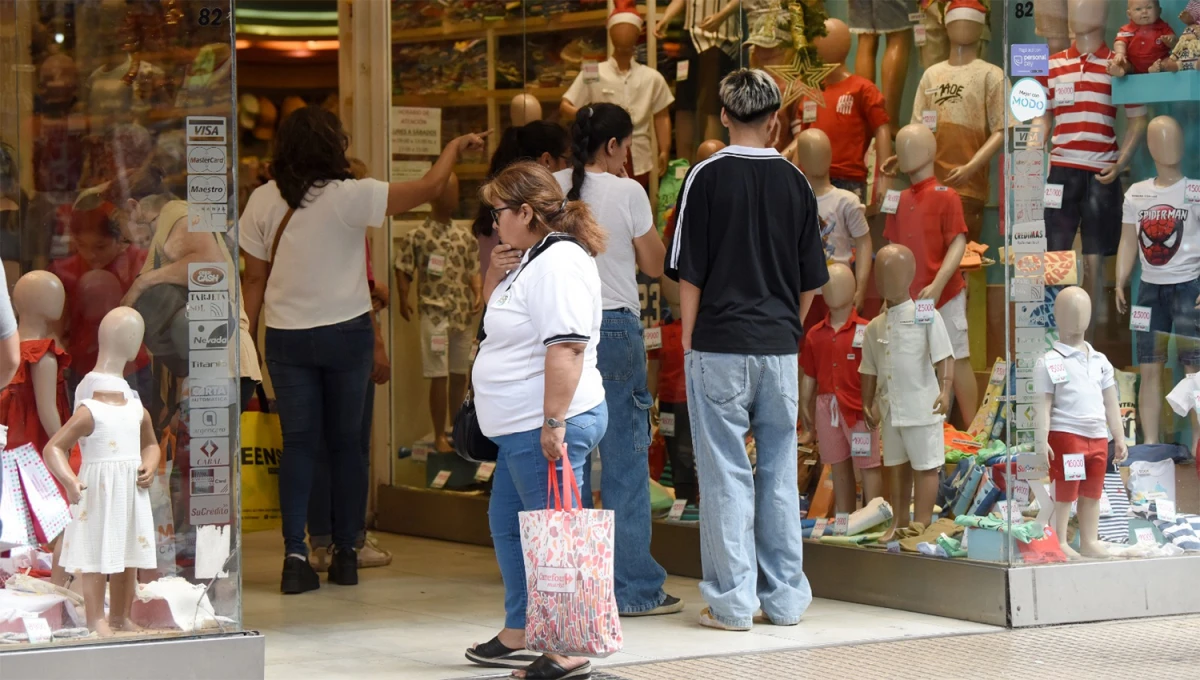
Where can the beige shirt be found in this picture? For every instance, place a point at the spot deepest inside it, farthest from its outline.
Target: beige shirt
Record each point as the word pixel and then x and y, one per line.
pixel 902 353
pixel 641 91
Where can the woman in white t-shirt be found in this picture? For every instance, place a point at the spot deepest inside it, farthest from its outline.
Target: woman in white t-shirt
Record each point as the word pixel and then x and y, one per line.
pixel 601 137
pixel 312 219
pixel 537 389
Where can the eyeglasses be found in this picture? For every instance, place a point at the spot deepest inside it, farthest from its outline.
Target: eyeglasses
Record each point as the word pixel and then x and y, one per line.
pixel 496 213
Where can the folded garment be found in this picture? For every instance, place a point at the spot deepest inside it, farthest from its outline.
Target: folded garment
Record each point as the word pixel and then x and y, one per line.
pixel 876 512
pixel 915 534
pixel 951 546
pixel 860 539
pixel 932 550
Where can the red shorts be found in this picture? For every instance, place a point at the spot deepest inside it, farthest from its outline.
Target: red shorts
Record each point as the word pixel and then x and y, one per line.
pixel 1095 462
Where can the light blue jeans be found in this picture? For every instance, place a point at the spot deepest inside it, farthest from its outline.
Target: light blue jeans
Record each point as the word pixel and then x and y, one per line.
pixel 750 537
pixel 519 483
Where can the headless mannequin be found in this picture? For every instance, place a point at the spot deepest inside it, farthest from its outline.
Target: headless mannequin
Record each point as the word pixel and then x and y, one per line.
pixel 895 66
pixel 895 267
pixel 1072 311
pixel 839 293
pixel 525 108
pixel 120 334
pixel 1051 24
pixel 687 122
pixel 916 149
pixel 813 157
pixel 1164 137
pixel 38 299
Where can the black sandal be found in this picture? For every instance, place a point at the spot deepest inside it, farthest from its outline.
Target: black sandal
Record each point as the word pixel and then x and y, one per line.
pixel 494 654
pixel 547 669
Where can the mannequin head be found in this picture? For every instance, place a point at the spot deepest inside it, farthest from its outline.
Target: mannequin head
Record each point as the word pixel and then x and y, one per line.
pixel 1087 16
pixel 834 46
pixel 446 203
pixel 39 294
pixel 895 268
pixel 813 152
pixel 839 290
pixel 1143 12
pixel 916 148
pixel 965 20
pixel 525 108
pixel 1072 312
pixel 1164 138
pixel 624 29
pixel 708 148
pixel 121 334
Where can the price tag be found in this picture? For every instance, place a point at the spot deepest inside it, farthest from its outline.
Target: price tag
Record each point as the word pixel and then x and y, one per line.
pixel 1010 511
pixel 925 311
pixel 677 509
pixel 841 525
pixel 441 479
pixel 591 72
pixel 681 172
pixel 966 537
pixel 1052 197
pixel 681 70
pixel 860 444
pixel 809 112
pixel 1139 318
pixel 916 17
pixel 653 337
pixel 485 471
pixel 894 547
pixel 891 202
pixel 666 424
pixel 1021 493
pixel 37 628
pixel 437 344
pixel 1057 370
pixel 1064 94
pixel 929 118
pixel 437 264
pixel 819 528
pixel 1191 190
pixel 1073 467
pixel 1166 510
pixel 920 36
pixel 1106 509
pixel 860 332
pixel 1145 536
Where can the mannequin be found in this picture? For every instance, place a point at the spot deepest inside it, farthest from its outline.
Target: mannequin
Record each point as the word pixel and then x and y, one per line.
pixel 640 90
pixel 870 18
pixel 1050 22
pixel 927 216
pixel 829 369
pixel 525 108
pixel 844 228
pixel 915 362
pixel 1161 227
pixel 126 448
pixel 1143 42
pixel 1186 53
pixel 1087 171
pixel 853 113
pixel 937 44
pixel 1079 401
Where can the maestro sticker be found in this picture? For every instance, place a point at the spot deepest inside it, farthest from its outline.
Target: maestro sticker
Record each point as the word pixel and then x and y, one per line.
pixel 206 189
pixel 1028 100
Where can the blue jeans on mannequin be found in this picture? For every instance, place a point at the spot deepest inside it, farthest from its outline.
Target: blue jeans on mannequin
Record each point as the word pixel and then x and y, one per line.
pixel 519 483
pixel 319 376
pixel 750 540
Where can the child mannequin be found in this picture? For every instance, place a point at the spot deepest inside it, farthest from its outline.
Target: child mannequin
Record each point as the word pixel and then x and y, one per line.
pixel 869 19
pixel 1142 42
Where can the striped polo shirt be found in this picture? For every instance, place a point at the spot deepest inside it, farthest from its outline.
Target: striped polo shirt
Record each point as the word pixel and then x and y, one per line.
pixel 1084 134
pixel 726 37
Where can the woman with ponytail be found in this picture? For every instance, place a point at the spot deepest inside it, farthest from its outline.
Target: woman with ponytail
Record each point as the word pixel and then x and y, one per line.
pixel 600 139
pixel 537 389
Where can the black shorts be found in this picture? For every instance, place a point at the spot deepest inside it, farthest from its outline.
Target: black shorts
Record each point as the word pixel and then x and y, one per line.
pixel 701 91
pixel 1087 205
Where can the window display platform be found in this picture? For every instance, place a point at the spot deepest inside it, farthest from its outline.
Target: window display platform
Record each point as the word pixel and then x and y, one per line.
pixel 235 655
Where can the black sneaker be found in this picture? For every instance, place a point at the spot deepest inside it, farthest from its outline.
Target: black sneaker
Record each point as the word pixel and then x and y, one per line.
pixel 343 568
pixel 298 576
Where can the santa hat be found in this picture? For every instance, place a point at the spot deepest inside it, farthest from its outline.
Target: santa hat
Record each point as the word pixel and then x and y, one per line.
pixel 625 12
pixel 1193 8
pixel 966 10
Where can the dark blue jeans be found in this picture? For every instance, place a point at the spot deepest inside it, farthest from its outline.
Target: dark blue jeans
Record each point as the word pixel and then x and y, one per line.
pixel 320 503
pixel 319 376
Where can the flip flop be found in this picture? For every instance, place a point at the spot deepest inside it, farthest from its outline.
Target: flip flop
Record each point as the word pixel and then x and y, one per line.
pixel 494 654
pixel 546 669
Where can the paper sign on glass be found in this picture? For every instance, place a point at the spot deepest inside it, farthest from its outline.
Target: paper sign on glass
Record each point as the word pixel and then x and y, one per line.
pixel 891 202
pixel 1073 467
pixel 1029 237
pixel 860 444
pixel 1139 318
pixel 925 311
pixel 1052 197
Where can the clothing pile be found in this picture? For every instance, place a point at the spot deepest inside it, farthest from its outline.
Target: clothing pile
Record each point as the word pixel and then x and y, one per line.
pixel 432 68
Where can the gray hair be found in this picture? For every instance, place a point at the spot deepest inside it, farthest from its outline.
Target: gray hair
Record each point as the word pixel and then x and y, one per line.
pixel 749 95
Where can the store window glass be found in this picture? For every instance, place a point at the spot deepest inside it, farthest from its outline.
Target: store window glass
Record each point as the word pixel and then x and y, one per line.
pixel 119 499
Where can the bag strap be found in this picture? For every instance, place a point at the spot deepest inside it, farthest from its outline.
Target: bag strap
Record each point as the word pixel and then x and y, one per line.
pixel 554 497
pixel 275 244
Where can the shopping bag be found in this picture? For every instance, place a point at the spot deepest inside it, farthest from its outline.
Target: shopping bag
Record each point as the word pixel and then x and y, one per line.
pixel 47 507
pixel 262 451
pixel 16 526
pixel 572 606
pixel 160 503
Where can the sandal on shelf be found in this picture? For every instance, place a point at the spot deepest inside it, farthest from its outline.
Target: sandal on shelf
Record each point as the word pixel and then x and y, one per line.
pixel 546 669
pixel 494 654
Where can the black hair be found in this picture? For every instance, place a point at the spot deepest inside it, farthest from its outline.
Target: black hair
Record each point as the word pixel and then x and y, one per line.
pixel 527 142
pixel 594 126
pixel 310 153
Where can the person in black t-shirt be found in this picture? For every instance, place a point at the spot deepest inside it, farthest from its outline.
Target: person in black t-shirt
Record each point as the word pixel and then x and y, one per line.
pixel 747 252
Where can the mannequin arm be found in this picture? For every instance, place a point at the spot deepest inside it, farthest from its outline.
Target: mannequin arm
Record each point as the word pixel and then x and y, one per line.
pixel 950 264
pixel 150 452
pixel 55 454
pixel 945 372
pixel 1044 125
pixel 1135 131
pixel 10 358
pixel 958 176
pixel 863 256
pixel 1112 414
pixel 1126 254
pixel 808 402
pixel 1041 427
pixel 662 131
pixel 713 21
pixel 403 283
pixel 567 110
pixel 689 307
pixel 45 393
pixel 870 408
pixel 477 293
pixel 673 10
pixel 883 151
pixel 194 246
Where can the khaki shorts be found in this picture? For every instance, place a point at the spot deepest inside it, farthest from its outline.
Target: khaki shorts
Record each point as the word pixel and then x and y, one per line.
pixel 954 315
pixel 453 357
pixel 922 446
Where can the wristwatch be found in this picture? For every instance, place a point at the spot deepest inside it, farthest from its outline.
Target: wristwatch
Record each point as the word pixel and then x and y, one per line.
pixel 555 424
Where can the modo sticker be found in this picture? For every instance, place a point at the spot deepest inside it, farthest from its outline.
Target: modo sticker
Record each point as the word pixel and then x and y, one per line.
pixel 1028 100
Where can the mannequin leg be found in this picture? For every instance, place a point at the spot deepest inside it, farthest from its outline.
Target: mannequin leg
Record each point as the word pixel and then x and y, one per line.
pixel 926 495
pixel 1088 513
pixel 93 604
pixel 845 490
pixel 895 70
pixel 458 389
pixel 966 390
pixel 1150 401
pixel 122 588
pixel 1093 283
pixel 1062 516
pixel 872 483
pixel 864 57
pixel 685 135
pixel 899 492
pixel 58 575
pixel 437 410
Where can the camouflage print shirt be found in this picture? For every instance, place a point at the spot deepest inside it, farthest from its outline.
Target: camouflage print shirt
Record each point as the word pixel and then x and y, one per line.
pixel 443 258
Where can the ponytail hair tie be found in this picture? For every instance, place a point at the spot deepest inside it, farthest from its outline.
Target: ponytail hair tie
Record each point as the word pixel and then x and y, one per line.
pixel 564 205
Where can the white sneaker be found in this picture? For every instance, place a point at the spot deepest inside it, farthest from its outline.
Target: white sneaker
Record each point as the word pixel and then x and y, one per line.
pixel 709 621
pixel 372 555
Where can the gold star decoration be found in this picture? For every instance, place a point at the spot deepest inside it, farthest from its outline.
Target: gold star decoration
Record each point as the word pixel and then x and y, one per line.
pixel 802 78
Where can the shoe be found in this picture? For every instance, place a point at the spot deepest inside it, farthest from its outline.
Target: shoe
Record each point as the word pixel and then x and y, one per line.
pixel 371 555
pixel 494 654
pixel 671 605
pixel 709 621
pixel 545 669
pixel 343 569
pixel 298 576
pixel 319 558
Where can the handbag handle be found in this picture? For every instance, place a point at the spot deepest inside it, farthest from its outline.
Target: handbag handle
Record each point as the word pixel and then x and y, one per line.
pixel 554 500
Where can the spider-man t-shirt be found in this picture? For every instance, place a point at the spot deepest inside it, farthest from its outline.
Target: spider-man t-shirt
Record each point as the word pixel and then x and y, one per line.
pixel 1168 231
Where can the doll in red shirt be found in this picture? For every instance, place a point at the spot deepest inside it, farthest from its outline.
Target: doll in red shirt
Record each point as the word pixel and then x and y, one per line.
pixel 1143 41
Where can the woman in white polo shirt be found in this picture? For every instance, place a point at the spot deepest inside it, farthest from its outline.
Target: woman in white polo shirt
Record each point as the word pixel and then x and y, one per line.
pixel 535 377
pixel 312 220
